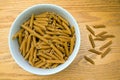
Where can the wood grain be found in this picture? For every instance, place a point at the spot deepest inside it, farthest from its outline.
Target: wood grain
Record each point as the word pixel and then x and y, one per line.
pixel 86 12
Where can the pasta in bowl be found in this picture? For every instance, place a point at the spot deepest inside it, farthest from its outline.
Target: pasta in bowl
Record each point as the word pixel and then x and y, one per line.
pixel 44 39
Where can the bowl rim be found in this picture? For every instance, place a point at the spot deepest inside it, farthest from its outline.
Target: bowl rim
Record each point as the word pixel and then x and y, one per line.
pixel 78 38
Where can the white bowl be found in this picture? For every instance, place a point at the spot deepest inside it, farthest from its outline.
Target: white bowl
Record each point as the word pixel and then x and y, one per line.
pixel 14 47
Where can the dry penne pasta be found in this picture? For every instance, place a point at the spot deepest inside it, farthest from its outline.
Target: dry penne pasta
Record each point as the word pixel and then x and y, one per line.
pixel 55 65
pixel 27 23
pixel 17 34
pixel 66 27
pixel 46 40
pixel 95 51
pixel 63 20
pixel 107 36
pixel 72 30
pixel 99 38
pixel 89 60
pixel 31 20
pixel 101 33
pixel 28 43
pixel 52 56
pixel 42 15
pixel 99 26
pixel 90 30
pixel 91 41
pixel 37 29
pixel 42 19
pixel 55 61
pixel 42 58
pixel 57 51
pixel 45 56
pixel 66 49
pixel 105 52
pixel 105 45
pixel 40 64
pixel 39 25
pixel 72 42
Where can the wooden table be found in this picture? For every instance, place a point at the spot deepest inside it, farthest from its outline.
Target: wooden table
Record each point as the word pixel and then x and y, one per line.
pixel 86 12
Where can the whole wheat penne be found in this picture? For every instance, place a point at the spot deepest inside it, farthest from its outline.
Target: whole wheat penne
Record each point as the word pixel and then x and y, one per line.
pixel 40 64
pixel 59 26
pixel 20 38
pixel 91 41
pixel 42 19
pixel 34 55
pixel 34 33
pixel 66 27
pixel 95 51
pixel 55 61
pixel 58 41
pixel 90 30
pixel 44 47
pixel 66 48
pixel 72 43
pixel 44 23
pixel 28 53
pixel 50 29
pixel 31 55
pixel 99 38
pixel 31 20
pixel 22 44
pixel 27 56
pixel 105 52
pixel 107 36
pixel 63 39
pixel 57 19
pixel 28 43
pixel 105 45
pixel 63 20
pixel 42 15
pixel 27 23
pixel 72 29
pixel 24 47
pixel 34 41
pixel 37 29
pixel 101 33
pixel 55 65
pixel 52 56
pixel 59 57
pixel 47 65
pixel 42 58
pixel 99 26
pixel 54 23
pixel 89 60
pixel 44 55
pixel 17 33
pixel 60 48
pixel 56 50
pixel 39 25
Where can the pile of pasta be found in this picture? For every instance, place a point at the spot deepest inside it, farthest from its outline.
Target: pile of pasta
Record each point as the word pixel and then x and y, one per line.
pixel 46 40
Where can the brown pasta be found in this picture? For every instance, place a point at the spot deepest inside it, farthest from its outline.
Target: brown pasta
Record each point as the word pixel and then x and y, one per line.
pixel 101 33
pixel 31 20
pixel 99 26
pixel 89 60
pixel 95 51
pixel 105 52
pixel 90 30
pixel 99 38
pixel 105 45
pixel 91 41
pixel 46 40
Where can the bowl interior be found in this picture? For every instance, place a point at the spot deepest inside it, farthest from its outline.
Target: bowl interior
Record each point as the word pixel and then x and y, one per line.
pixel 14 47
